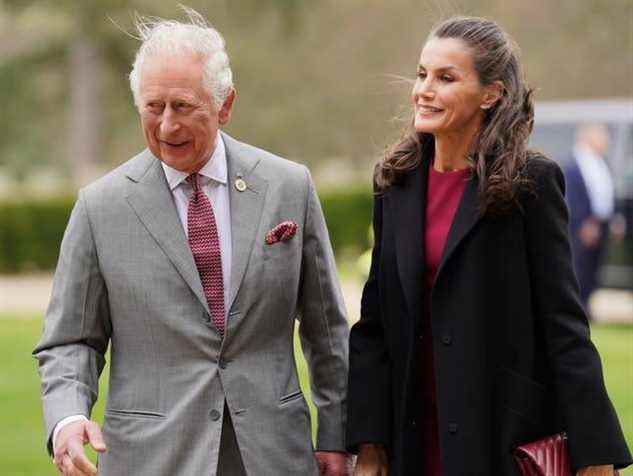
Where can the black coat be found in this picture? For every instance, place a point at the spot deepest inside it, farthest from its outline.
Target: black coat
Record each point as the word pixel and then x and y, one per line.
pixel 513 358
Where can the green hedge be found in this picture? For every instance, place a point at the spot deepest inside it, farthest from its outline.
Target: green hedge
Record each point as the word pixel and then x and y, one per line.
pixel 348 216
pixel 31 232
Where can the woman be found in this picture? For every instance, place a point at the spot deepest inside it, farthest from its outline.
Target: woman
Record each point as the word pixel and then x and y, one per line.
pixel 472 339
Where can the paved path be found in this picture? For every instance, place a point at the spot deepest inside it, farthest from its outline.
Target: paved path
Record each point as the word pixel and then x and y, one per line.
pixel 28 295
pixel 25 295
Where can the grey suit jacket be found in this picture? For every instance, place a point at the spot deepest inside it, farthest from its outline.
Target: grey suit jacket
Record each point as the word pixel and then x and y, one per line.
pixel 126 278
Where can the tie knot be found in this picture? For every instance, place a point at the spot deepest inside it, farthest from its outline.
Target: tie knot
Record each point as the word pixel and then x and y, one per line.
pixel 194 181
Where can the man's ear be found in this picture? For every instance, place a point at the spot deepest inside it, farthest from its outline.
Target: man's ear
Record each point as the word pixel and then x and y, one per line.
pixel 224 115
pixel 492 93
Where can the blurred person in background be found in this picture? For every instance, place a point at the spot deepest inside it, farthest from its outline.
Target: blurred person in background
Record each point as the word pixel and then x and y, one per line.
pixel 192 261
pixel 590 198
pixel 472 338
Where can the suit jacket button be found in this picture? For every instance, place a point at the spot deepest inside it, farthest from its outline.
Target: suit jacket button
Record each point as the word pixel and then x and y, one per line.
pixel 452 428
pixel 223 364
pixel 215 415
pixel 413 423
pixel 447 339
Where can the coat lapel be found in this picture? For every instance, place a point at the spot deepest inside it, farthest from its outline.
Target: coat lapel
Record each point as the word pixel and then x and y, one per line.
pixel 246 208
pixel 406 203
pixel 153 203
pixel 466 216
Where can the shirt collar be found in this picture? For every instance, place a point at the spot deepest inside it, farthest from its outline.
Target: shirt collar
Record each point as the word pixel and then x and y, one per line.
pixel 586 154
pixel 215 168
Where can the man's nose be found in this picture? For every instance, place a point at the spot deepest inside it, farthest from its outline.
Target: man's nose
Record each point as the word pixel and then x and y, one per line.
pixel 170 122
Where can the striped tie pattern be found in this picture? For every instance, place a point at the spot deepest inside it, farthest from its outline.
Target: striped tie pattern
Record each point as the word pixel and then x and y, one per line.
pixel 205 246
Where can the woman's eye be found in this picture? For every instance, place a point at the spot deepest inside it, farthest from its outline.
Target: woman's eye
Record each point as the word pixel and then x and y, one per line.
pixel 421 74
pixel 447 79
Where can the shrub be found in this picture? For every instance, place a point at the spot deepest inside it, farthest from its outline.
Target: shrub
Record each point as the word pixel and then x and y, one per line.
pixel 31 231
pixel 348 216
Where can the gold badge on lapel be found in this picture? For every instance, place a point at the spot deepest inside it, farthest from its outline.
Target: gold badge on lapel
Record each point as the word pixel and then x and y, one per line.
pixel 240 185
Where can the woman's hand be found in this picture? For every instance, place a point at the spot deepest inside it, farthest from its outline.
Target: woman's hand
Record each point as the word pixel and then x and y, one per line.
pixel 371 461
pixel 606 470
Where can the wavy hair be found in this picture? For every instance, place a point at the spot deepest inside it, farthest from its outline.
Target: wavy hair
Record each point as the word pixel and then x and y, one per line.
pixel 499 149
pixel 161 37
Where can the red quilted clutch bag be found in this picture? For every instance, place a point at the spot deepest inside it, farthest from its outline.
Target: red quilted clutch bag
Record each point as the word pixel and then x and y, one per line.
pixel 545 457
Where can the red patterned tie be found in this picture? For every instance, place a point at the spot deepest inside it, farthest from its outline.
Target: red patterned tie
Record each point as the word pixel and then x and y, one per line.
pixel 205 246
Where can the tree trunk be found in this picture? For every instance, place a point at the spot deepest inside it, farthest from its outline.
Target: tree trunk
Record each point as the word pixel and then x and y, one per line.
pixel 86 110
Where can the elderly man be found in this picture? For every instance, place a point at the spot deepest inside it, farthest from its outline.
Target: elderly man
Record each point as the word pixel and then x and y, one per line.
pixel 192 261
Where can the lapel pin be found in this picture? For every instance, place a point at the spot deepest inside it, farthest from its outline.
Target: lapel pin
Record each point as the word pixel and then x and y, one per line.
pixel 240 185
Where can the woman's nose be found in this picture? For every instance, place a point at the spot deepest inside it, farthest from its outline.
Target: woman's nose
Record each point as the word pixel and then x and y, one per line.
pixel 423 88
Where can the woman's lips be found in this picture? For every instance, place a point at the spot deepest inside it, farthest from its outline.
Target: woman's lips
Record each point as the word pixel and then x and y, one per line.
pixel 428 110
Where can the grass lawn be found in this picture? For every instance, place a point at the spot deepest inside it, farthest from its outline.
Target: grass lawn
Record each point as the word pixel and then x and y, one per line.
pixel 22 438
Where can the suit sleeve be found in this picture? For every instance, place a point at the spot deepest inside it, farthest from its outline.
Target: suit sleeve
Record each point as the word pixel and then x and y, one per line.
pixel 77 327
pixel 369 389
pixel 323 326
pixel 594 433
pixel 574 198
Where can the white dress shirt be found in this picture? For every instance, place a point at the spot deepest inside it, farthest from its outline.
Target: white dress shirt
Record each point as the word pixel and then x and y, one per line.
pixel 214 182
pixel 595 173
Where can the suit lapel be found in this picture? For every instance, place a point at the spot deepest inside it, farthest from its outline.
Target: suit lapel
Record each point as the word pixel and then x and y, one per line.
pixel 152 201
pixel 246 208
pixel 407 207
pixel 466 216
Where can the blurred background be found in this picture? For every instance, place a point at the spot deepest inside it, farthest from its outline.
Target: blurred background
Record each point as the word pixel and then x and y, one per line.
pixel 321 82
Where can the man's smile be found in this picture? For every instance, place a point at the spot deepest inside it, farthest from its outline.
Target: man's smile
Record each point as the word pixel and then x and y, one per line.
pixel 174 144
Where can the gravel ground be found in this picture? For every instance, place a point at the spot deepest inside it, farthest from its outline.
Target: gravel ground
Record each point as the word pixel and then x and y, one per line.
pixel 28 295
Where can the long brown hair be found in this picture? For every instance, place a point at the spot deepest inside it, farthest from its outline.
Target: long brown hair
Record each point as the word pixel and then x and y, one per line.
pixel 500 146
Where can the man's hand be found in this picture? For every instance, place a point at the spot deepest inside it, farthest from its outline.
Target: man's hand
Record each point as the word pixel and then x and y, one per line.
pixel 606 470
pixel 372 461
pixel 333 463
pixel 590 232
pixel 69 456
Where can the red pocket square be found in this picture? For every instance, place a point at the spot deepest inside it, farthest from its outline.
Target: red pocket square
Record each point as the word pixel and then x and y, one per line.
pixel 282 232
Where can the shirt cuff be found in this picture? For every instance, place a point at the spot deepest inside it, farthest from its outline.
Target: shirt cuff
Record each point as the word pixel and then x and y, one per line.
pixel 63 422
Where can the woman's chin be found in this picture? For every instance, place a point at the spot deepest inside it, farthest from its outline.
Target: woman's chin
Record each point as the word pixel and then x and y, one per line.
pixel 423 127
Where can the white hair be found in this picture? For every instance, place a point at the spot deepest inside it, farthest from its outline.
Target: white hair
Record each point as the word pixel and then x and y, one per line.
pixel 161 37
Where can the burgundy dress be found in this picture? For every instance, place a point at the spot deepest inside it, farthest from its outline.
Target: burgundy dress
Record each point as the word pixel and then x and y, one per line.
pixel 444 193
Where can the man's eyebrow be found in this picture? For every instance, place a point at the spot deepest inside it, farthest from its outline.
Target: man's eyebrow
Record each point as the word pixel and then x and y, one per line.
pixel 150 97
pixel 192 99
